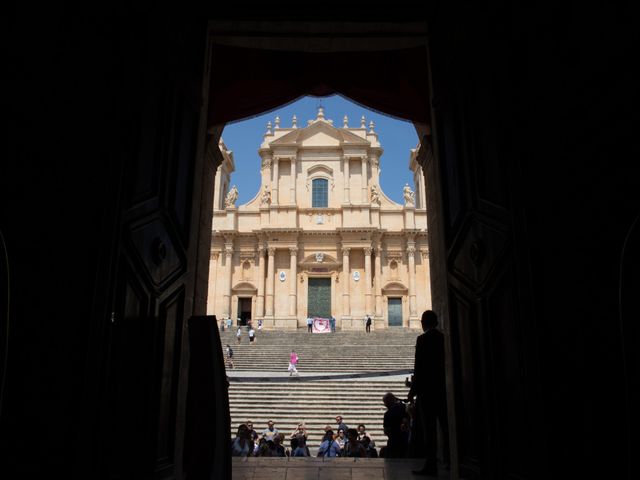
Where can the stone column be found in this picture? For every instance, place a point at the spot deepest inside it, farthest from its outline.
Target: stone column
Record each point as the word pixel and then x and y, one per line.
pixel 378 280
pixel 346 181
pixel 260 298
pixel 346 299
pixel 211 294
pixel 275 181
pixel 411 251
pixel 368 298
pixel 293 281
pixel 226 301
pixel 364 180
pixel 292 188
pixel 271 278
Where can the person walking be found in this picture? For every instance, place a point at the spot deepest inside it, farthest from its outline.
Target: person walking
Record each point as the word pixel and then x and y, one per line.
pixel 332 322
pixel 293 362
pixel 309 324
pixel 252 336
pixel 239 334
pixel 229 352
pixel 229 355
pixel 429 385
pixel 368 324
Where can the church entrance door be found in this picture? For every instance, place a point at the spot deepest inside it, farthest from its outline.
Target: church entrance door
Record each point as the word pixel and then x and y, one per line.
pixel 319 298
pixel 395 312
pixel 244 309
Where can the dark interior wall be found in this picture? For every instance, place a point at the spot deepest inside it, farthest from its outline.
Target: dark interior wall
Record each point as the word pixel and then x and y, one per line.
pixel 79 87
pixel 560 96
pixel 59 186
pixel 581 198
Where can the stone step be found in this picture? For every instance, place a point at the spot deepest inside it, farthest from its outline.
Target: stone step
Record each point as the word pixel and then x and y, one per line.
pixel 402 370
pixel 315 403
pixel 317 385
pixel 333 391
pixel 287 401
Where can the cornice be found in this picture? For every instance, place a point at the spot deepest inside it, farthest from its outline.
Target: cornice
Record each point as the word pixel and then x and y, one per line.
pixel 278 230
pixel 358 230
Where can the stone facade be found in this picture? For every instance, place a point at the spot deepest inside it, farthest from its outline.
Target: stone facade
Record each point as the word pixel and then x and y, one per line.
pixel 374 252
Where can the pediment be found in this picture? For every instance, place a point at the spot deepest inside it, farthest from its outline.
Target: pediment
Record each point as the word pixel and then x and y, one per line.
pixel 320 134
pixel 244 286
pixel 394 287
pixel 320 169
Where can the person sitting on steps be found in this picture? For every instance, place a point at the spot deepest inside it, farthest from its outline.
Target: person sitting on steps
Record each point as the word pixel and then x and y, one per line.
pixel 329 447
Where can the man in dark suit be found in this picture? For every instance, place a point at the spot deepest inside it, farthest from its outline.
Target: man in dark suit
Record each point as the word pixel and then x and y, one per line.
pixel 428 384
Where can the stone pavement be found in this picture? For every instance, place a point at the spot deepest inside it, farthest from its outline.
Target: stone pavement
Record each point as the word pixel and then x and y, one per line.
pixel 314 468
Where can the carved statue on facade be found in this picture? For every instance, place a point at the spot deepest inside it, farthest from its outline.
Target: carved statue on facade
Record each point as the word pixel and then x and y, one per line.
pixel 375 194
pixel 232 196
pixel 266 196
pixel 409 196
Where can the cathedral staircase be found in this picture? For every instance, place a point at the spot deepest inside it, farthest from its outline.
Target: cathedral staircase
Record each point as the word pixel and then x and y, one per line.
pixel 341 373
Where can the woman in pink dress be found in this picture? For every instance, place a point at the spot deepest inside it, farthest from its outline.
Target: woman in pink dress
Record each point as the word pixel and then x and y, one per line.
pixel 293 361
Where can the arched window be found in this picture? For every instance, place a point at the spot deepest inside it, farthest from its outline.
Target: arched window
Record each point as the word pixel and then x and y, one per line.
pixel 320 193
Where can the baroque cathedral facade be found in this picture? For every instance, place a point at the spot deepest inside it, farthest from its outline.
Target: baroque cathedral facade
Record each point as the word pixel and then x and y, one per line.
pixel 320 238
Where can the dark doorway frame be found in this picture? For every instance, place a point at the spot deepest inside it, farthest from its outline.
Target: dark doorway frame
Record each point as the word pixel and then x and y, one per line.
pixel 313 279
pixel 241 311
pixel 398 302
pixel 371 38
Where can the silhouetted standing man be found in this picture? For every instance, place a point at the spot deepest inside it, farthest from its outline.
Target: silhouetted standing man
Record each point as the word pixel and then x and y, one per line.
pixel 428 384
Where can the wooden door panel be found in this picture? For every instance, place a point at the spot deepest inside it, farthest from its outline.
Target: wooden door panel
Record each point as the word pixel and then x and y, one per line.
pixel 169 338
pixel 513 408
pixel 477 250
pixel 129 418
pixel 490 360
pixel 467 377
pixel 455 204
pixel 158 248
pixel 144 178
pixel 160 254
pixel 184 146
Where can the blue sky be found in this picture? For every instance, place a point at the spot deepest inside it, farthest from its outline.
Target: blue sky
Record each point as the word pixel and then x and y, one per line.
pixel 397 137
